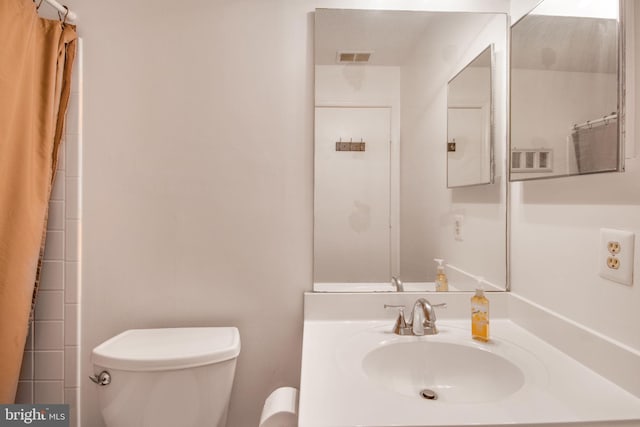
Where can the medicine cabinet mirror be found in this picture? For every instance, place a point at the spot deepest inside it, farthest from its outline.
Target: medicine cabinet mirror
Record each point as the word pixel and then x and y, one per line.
pixel 470 123
pixel 381 203
pixel 566 84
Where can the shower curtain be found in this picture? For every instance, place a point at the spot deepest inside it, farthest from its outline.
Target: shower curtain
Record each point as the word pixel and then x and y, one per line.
pixel 36 56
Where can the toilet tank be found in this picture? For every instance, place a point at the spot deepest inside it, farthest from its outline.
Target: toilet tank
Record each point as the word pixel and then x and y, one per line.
pixel 167 377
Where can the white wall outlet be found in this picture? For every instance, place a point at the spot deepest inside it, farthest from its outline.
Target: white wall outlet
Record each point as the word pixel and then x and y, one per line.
pixel 615 257
pixel 458 227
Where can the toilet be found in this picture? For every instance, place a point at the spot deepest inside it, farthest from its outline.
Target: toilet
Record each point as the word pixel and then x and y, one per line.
pixel 166 377
pixel 177 377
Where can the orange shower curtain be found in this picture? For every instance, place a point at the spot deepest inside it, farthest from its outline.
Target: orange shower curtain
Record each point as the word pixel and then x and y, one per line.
pixel 36 56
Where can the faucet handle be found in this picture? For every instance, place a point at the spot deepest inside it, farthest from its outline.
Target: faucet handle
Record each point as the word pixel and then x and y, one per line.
pixel 401 327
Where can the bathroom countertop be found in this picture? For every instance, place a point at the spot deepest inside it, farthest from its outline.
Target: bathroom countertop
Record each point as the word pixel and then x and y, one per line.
pixel 335 391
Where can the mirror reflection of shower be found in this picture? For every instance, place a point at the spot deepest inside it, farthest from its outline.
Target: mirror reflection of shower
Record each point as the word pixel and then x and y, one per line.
pixel 565 90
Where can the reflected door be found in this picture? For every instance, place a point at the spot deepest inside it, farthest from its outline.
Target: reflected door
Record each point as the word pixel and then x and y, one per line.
pixel 467 162
pixel 352 233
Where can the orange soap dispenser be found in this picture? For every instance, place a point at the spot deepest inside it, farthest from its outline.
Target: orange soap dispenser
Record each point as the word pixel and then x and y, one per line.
pixel 480 314
pixel 442 284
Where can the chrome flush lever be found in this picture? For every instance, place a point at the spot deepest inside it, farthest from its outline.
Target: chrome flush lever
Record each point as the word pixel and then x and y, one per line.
pixel 103 378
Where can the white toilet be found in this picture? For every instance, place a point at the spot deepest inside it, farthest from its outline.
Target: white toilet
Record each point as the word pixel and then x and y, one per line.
pixel 166 377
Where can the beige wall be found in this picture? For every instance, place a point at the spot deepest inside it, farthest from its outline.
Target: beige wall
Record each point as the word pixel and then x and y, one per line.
pixel 198 171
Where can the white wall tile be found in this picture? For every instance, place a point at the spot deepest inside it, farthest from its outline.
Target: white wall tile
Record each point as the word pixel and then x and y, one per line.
pixel 75 73
pixel 48 392
pixel 48 365
pixel 52 276
pixel 71 398
pixel 71 123
pixel 71 324
pixel 49 335
pixel 72 247
pixel 57 192
pixel 26 371
pixel 72 161
pixel 25 392
pixel 50 305
pixel 54 246
pixel 71 282
pixel 61 154
pixel 72 200
pixel 29 344
pixel 70 366
pixel 56 215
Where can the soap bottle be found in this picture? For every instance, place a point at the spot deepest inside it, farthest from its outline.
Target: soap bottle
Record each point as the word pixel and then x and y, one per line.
pixel 480 314
pixel 442 285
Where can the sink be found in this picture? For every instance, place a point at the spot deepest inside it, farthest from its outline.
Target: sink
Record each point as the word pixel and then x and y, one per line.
pixel 457 373
pixel 357 372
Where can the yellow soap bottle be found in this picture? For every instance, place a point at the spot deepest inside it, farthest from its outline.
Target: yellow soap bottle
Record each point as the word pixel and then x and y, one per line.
pixel 442 284
pixel 480 315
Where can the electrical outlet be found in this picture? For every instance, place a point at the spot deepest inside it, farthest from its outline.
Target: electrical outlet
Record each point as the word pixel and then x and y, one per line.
pixel 613 247
pixel 458 225
pixel 613 263
pixel 616 255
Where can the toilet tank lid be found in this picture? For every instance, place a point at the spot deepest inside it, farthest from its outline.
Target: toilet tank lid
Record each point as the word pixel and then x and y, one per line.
pixel 167 348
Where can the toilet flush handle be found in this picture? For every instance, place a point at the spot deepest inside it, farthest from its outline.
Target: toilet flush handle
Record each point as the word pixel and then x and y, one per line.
pixel 103 378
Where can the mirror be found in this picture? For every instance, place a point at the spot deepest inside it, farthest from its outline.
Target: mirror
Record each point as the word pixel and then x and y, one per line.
pixel 469 124
pixel 381 203
pixel 565 97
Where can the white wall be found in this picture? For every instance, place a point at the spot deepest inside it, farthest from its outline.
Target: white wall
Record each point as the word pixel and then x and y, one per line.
pixel 198 175
pixel 555 229
pixel 426 202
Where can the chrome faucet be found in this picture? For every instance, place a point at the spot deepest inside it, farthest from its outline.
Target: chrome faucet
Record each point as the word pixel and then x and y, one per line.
pixel 423 317
pixel 422 321
pixel 397 283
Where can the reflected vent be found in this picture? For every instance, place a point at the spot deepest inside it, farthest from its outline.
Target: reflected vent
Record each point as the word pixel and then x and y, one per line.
pixel 344 57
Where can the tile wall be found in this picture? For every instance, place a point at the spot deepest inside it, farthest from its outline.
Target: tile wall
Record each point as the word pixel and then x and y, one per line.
pixel 50 364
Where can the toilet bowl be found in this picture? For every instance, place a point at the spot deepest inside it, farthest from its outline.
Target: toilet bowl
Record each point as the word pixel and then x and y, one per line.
pixel 166 377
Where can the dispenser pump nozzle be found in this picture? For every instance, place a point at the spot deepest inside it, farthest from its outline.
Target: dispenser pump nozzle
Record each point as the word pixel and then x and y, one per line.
pixel 479 287
pixel 440 266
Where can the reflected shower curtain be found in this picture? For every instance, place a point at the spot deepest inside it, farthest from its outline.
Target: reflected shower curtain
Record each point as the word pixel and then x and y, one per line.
pixel 36 56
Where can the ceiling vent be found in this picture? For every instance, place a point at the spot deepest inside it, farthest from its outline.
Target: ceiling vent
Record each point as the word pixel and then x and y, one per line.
pixel 352 57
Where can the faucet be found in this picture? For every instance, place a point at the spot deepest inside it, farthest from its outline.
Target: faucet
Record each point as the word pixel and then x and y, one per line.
pixel 397 283
pixel 423 317
pixel 422 321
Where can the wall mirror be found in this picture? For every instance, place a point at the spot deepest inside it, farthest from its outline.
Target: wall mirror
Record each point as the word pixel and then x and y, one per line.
pixel 381 203
pixel 566 80
pixel 470 123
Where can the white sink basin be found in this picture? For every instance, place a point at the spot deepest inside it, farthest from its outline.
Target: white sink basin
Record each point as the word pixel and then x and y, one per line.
pixel 457 373
pixel 356 372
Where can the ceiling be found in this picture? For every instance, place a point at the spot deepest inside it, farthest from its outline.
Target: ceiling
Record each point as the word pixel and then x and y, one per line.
pixel 392 36
pixel 563 43
pixel 537 40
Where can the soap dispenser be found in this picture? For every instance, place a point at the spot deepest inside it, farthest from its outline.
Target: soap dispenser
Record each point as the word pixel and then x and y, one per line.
pixel 442 285
pixel 480 314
